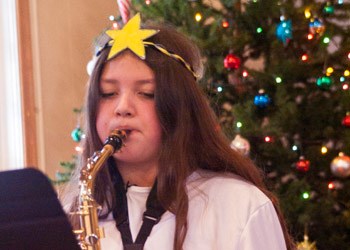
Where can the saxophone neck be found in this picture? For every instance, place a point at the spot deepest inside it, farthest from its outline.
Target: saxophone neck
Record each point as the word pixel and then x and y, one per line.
pixel 113 143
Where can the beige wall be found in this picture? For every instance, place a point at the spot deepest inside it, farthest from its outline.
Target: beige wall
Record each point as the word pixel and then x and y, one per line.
pixel 62 35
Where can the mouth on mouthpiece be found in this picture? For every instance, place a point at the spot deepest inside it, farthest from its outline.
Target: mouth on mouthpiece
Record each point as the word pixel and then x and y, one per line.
pixel 120 132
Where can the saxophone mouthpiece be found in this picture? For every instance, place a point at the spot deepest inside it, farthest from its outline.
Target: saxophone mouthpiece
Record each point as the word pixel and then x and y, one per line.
pixel 115 139
pixel 120 133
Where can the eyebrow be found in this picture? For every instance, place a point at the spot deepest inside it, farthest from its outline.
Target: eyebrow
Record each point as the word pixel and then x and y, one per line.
pixel 115 81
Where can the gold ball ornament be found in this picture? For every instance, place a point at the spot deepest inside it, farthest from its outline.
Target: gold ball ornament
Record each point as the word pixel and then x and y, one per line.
pixel 340 166
pixel 241 145
pixel 306 245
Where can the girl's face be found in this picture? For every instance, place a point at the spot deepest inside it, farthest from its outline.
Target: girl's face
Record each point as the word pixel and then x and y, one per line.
pixel 127 102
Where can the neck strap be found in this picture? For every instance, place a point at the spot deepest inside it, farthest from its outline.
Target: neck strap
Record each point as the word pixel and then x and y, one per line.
pixel 151 216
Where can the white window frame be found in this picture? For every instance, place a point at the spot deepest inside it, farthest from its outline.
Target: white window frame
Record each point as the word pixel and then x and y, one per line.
pixel 11 124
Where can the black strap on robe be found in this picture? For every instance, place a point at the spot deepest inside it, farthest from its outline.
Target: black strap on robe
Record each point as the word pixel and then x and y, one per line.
pixel 151 216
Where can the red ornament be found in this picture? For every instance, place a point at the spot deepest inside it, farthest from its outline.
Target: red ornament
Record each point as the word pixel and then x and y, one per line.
pixel 302 165
pixel 232 62
pixel 346 120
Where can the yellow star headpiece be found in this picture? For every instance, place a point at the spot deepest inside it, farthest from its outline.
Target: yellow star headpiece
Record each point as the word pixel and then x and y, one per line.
pixel 132 37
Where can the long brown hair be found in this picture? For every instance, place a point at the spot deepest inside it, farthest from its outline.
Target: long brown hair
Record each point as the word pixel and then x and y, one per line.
pixel 191 136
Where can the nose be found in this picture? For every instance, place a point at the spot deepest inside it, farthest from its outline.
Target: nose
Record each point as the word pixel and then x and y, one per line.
pixel 124 106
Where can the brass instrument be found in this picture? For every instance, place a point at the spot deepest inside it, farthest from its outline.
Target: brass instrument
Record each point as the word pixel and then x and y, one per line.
pixel 89 233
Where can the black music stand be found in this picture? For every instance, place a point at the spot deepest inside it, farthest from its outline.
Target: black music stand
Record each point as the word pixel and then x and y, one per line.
pixel 31 217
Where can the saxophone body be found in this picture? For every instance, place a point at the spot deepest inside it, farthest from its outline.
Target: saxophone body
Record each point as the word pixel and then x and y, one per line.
pixel 89 232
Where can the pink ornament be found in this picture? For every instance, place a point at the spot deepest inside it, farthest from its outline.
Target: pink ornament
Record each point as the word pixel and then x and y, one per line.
pixel 124 9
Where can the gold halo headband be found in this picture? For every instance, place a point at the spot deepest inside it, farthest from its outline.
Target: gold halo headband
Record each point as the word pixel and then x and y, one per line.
pixel 132 37
pixel 173 55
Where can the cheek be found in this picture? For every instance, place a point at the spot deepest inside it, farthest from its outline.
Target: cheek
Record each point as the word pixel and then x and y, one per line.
pixel 156 127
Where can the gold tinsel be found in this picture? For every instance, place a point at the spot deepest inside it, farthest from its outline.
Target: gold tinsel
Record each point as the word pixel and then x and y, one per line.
pixel 306 245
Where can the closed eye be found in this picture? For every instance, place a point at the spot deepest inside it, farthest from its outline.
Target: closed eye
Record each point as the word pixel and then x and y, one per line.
pixel 149 95
pixel 106 95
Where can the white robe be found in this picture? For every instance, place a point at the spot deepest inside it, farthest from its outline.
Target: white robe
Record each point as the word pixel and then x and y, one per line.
pixel 225 212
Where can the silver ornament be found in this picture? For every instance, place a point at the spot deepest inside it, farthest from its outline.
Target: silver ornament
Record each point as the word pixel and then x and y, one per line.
pixel 241 145
pixel 340 166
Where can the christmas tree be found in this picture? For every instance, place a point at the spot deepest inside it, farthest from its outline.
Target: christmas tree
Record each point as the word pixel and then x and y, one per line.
pixel 277 74
pixel 64 175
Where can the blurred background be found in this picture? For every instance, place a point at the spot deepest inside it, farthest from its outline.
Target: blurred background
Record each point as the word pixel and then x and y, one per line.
pixel 276 73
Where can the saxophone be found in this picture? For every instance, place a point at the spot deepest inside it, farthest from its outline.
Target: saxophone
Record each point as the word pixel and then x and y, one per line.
pixel 89 233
